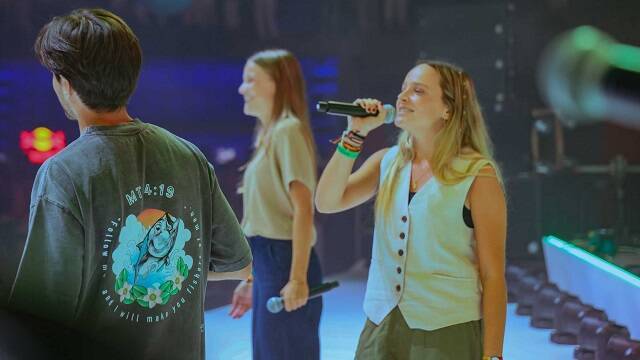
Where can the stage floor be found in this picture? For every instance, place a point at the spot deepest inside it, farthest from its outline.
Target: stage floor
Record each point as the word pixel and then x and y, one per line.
pixel 342 321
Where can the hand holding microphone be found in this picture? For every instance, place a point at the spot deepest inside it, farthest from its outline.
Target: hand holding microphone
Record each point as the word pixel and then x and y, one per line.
pixel 363 125
pixel 294 295
pixel 276 304
pixel 364 114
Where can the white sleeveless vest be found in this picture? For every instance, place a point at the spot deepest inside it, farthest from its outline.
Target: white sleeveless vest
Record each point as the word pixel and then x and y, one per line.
pixel 423 258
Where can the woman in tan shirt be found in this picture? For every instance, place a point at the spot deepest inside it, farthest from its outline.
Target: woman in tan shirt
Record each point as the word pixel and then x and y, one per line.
pixel 277 188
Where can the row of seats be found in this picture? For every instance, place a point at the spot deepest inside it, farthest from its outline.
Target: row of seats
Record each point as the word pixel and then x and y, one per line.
pixel 574 323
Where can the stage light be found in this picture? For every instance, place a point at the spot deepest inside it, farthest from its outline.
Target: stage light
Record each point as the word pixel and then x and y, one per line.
pixel 41 143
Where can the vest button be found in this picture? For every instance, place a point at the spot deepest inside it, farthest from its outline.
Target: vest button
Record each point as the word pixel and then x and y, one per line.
pixel 398 287
pixel 400 252
pixel 402 235
pixel 399 269
pixel 404 219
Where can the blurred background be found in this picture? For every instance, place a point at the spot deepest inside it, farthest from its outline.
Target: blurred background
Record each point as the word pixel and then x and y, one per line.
pixel 579 183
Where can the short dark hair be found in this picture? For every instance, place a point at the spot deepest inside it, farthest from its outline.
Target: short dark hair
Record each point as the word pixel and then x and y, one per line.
pixel 97 52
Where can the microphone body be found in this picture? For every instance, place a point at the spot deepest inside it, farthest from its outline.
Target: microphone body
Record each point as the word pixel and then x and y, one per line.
pixel 348 109
pixel 276 304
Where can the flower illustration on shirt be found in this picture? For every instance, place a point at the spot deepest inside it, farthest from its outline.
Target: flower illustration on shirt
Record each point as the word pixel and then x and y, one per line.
pixel 177 281
pixel 125 293
pixel 153 297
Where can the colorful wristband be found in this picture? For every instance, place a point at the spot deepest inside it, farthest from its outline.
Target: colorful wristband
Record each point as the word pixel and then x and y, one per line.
pixel 348 153
pixel 356 135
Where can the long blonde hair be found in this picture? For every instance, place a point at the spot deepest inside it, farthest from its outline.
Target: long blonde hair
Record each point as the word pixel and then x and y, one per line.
pixel 290 97
pixel 464 135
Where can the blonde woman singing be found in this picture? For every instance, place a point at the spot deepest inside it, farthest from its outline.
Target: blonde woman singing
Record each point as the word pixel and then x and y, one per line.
pixel 436 287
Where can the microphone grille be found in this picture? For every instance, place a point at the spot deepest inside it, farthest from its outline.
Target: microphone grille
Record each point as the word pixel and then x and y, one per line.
pixel 275 305
pixel 322 106
pixel 391 114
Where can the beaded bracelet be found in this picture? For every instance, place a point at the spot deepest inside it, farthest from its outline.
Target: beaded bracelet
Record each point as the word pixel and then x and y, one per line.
pixel 353 136
pixel 349 146
pixel 356 135
pixel 350 138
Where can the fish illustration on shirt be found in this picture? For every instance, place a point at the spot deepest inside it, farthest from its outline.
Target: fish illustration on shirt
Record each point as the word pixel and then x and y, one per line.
pixel 156 245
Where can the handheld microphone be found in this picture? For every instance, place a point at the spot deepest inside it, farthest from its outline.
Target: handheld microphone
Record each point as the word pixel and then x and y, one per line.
pixel 276 304
pixel 348 109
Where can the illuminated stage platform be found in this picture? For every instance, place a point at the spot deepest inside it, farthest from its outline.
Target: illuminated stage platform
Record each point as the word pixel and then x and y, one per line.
pixel 595 281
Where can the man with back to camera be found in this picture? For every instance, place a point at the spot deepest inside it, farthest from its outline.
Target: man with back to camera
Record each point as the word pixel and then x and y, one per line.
pixel 128 222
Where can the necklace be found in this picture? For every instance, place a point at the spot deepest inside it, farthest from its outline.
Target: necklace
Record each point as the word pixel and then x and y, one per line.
pixel 416 179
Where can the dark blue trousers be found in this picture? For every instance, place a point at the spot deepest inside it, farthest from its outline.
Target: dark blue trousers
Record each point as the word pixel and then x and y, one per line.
pixel 285 335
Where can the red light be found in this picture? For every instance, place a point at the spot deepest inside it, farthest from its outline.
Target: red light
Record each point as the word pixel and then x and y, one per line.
pixel 41 144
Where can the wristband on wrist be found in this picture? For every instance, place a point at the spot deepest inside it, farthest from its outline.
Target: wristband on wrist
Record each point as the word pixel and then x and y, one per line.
pixel 350 135
pixel 348 153
pixel 349 146
pixel 351 142
pixel 356 135
pixel 353 137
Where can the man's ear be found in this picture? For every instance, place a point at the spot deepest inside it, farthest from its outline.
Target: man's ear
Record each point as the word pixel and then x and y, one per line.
pixel 65 87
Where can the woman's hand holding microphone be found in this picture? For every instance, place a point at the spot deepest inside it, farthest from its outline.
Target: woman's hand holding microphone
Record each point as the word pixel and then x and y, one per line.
pixel 363 125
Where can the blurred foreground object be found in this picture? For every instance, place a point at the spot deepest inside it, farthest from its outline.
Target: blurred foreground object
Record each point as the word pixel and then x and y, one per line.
pixel 586 76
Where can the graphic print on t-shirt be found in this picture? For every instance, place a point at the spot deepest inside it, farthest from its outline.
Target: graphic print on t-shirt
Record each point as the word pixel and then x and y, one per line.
pixel 152 259
pixel 151 268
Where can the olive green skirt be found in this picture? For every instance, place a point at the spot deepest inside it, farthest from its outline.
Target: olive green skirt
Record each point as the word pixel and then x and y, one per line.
pixel 393 339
